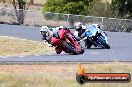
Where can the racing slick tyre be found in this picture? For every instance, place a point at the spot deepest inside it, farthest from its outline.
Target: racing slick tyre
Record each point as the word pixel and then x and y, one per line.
pixel 82 50
pixel 88 44
pixel 70 48
pixel 103 43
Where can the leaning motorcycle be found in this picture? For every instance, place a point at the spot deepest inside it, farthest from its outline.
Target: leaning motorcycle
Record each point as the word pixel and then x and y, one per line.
pixel 65 41
pixel 94 37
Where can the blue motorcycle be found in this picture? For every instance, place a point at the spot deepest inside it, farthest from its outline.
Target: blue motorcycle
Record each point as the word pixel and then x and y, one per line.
pixel 94 36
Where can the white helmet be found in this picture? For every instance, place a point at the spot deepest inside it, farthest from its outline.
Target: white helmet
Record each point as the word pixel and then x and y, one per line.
pixel 44 29
pixel 57 28
pixel 78 25
pixel 61 27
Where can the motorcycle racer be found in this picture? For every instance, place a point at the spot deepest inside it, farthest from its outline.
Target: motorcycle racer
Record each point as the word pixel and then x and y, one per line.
pixel 93 31
pixel 79 29
pixel 49 35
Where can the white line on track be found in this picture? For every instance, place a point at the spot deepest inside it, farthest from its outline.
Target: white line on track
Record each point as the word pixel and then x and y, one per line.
pixel 19 38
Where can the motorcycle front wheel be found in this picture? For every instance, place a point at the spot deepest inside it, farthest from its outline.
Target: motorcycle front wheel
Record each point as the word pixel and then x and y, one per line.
pixel 70 48
pixel 88 44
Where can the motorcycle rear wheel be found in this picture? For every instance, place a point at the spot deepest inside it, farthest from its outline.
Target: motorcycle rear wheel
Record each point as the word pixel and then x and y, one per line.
pixel 82 50
pixel 88 44
pixel 103 43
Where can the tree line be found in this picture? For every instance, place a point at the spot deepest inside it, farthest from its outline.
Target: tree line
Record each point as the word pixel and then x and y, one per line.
pixel 118 8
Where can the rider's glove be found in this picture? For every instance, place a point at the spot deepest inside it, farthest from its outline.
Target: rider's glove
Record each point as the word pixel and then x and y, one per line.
pixel 49 45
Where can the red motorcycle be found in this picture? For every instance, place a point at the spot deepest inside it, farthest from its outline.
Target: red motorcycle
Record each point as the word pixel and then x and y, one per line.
pixel 65 41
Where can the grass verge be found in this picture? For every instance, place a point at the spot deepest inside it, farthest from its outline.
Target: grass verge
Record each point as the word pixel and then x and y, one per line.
pixel 56 75
pixel 15 47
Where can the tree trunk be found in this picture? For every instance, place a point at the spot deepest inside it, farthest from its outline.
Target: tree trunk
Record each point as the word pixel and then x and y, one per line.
pixel 19 13
pixel 20 16
pixel 31 1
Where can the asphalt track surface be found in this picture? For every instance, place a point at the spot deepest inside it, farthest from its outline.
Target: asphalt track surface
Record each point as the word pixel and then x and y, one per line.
pixel 120 42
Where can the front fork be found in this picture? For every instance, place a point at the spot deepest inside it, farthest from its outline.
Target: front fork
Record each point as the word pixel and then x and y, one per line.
pixel 74 42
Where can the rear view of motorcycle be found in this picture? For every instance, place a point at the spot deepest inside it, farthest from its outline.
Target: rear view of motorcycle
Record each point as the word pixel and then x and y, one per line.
pixel 94 36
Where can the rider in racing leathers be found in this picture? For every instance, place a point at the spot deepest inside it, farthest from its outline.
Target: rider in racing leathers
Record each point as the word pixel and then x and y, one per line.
pixel 80 29
pixel 48 34
pixel 90 40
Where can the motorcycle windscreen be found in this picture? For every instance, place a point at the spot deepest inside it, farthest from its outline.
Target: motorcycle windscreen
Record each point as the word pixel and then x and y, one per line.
pixel 88 34
pixel 92 29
